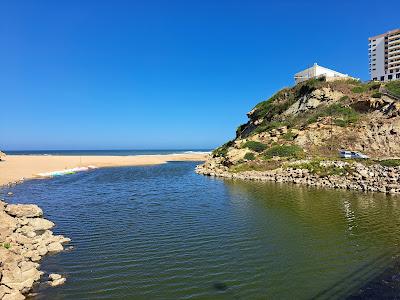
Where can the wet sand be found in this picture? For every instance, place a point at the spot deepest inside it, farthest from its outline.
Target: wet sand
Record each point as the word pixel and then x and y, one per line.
pixel 20 167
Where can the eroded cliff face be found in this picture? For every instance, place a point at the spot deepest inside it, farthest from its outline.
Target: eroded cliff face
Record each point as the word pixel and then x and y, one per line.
pixel 319 118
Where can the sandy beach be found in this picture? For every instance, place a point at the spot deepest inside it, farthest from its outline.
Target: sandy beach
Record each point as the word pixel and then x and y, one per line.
pixel 19 167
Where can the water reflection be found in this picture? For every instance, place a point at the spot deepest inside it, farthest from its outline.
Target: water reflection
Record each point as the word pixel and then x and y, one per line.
pixel 350 236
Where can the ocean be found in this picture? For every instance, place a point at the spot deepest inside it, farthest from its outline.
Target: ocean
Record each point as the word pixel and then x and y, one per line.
pixel 105 152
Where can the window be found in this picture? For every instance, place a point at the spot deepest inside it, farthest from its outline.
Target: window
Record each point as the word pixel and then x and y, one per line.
pixel 390 77
pixel 398 75
pixel 377 78
pixel 382 78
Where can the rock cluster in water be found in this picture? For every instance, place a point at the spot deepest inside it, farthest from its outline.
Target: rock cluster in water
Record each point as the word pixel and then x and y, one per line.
pixel 25 237
pixel 374 178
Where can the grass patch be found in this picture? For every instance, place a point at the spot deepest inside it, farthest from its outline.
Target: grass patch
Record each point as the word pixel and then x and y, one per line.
pixel 255 146
pixel 394 87
pixel 249 156
pixel 269 126
pixel 358 89
pixel 343 115
pixel 289 136
pixel 365 87
pixel 284 151
pixel 390 162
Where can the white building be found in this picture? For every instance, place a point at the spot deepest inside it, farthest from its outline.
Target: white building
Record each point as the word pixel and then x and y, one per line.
pixel 317 71
pixel 384 56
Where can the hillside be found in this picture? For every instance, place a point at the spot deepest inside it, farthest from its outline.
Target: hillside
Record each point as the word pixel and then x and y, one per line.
pixel 316 119
pixel 301 129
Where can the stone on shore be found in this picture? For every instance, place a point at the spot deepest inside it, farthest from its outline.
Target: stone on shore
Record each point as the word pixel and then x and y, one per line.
pixel 349 175
pixel 56 280
pixel 55 247
pixel 15 295
pixel 24 210
pixel 25 237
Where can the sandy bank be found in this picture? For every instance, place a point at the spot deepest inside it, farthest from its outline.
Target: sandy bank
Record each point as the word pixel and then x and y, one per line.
pixel 17 167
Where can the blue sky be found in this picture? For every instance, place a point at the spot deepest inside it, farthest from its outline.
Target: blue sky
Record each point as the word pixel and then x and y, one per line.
pixel 164 74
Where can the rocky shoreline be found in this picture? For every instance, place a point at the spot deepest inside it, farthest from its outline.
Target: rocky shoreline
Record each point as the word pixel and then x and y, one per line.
pixel 25 237
pixel 356 176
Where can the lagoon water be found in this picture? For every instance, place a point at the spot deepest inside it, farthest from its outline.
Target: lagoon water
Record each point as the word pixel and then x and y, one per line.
pixel 164 232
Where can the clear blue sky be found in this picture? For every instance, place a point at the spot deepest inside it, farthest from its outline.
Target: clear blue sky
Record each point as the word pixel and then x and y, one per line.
pixel 164 74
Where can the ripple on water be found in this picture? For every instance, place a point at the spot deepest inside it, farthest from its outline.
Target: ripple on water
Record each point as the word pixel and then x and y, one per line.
pixel 163 232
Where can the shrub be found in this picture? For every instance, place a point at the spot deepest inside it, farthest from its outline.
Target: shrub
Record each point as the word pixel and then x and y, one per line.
pixel 358 89
pixel 344 98
pixel 376 95
pixel 394 87
pixel 249 156
pixel 7 245
pixel 390 162
pixel 346 115
pixel 374 85
pixel 240 129
pixel 289 136
pixel 270 125
pixel 284 151
pixel 222 151
pixel 255 146
pixel 365 87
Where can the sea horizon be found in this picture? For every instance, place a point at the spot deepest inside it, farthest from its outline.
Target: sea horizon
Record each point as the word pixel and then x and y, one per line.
pixel 112 152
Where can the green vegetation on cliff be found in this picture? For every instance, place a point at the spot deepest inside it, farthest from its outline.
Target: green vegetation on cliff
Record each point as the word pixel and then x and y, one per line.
pixel 284 151
pixel 394 87
pixel 255 146
pixel 316 118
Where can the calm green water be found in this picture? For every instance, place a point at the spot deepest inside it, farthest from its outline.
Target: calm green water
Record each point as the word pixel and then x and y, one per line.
pixel 163 232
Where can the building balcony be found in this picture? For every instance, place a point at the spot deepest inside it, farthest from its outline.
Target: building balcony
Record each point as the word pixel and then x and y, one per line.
pixel 394 67
pixel 394 57
pixel 397 44
pixel 393 35
pixel 394 64
pixel 394 48
pixel 394 53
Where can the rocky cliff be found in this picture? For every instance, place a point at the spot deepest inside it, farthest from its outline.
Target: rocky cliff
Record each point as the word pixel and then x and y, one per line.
pixel 311 122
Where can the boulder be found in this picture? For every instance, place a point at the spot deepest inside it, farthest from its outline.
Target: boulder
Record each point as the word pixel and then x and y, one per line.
pixel 7 221
pixel 54 276
pixel 24 210
pixel 57 282
pixel 15 295
pixel 55 247
pixel 4 290
pixel 40 224
pixel 14 279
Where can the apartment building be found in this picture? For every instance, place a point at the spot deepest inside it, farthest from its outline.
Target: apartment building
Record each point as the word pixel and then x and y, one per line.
pixel 384 56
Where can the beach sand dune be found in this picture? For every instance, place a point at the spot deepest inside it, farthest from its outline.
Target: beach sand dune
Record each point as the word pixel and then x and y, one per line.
pixel 18 167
